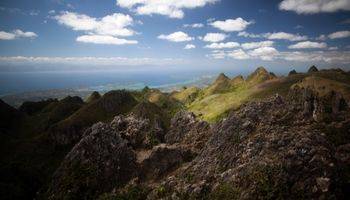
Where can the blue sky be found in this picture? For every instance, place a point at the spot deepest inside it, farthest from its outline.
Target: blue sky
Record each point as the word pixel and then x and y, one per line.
pixel 182 34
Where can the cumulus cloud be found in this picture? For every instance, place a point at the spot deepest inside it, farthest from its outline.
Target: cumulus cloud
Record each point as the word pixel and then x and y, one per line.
pixel 322 37
pixel 190 46
pixel 214 37
pixel 238 54
pixel 116 24
pixel 275 36
pixel 170 8
pixel 231 25
pixel 264 53
pixel 254 45
pixel 16 34
pixel 196 25
pixel 339 57
pixel 176 37
pixel 285 36
pixel 308 45
pixel 222 45
pixel 105 30
pixel 339 34
pixel 104 39
pixel 249 35
pixel 314 6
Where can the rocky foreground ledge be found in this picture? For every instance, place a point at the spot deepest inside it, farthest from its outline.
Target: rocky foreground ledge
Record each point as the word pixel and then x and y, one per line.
pixel 280 148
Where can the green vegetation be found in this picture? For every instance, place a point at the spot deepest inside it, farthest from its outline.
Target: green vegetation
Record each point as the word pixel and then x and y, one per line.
pixel 103 109
pixel 132 193
pixel 224 191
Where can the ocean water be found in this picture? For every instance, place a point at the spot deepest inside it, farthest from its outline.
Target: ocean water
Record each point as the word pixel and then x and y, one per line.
pixel 18 82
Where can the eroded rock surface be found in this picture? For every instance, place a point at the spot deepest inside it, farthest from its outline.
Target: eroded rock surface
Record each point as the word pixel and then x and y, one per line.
pixel 98 163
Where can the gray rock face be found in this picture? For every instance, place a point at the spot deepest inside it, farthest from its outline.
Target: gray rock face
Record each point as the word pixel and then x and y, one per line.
pixel 265 149
pixel 164 159
pixel 98 163
pixel 320 108
pixel 188 130
pixel 139 132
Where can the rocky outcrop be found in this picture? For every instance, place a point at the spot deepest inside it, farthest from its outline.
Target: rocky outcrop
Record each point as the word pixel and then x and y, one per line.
pixel 265 149
pixel 139 132
pixel 312 69
pixel 100 162
pixel 162 160
pixel 325 107
pixel 186 129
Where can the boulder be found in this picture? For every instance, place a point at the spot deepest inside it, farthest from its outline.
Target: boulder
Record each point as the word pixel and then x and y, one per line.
pixel 100 162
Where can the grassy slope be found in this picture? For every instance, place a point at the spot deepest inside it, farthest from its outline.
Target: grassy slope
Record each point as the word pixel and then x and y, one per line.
pixel 215 106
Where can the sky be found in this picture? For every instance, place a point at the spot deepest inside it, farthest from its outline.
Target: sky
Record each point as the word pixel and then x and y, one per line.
pixel 173 34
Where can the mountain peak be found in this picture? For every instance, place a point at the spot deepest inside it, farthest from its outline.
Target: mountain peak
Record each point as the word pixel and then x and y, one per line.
pixel 313 68
pixel 261 69
pixel 93 96
pixel 222 77
pixel 260 75
pixel 292 72
pixel 237 80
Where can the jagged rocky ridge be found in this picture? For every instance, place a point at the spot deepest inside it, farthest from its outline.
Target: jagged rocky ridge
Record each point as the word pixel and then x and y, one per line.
pixel 292 146
pixel 277 148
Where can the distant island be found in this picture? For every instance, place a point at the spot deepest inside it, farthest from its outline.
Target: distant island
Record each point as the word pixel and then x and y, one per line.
pixel 259 137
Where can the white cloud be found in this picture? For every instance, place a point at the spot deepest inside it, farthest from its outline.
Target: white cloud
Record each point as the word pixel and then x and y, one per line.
pixel 285 36
pixel 227 45
pixel 250 35
pixel 342 57
pixel 176 37
pixel 214 37
pixel 105 30
pixel 78 22
pixel 7 36
pixel 238 54
pixel 231 25
pixel 308 45
pixel 190 46
pixel 20 33
pixel 170 8
pixel 314 6
pixel 264 53
pixel 333 48
pixel 16 34
pixel 104 39
pixel 85 61
pixel 34 12
pixel 116 24
pixel 196 25
pixel 322 37
pixel 339 34
pixel 275 36
pixel 51 12
pixel 254 45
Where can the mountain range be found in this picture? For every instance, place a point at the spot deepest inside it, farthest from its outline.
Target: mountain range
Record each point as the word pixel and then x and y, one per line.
pixel 259 137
